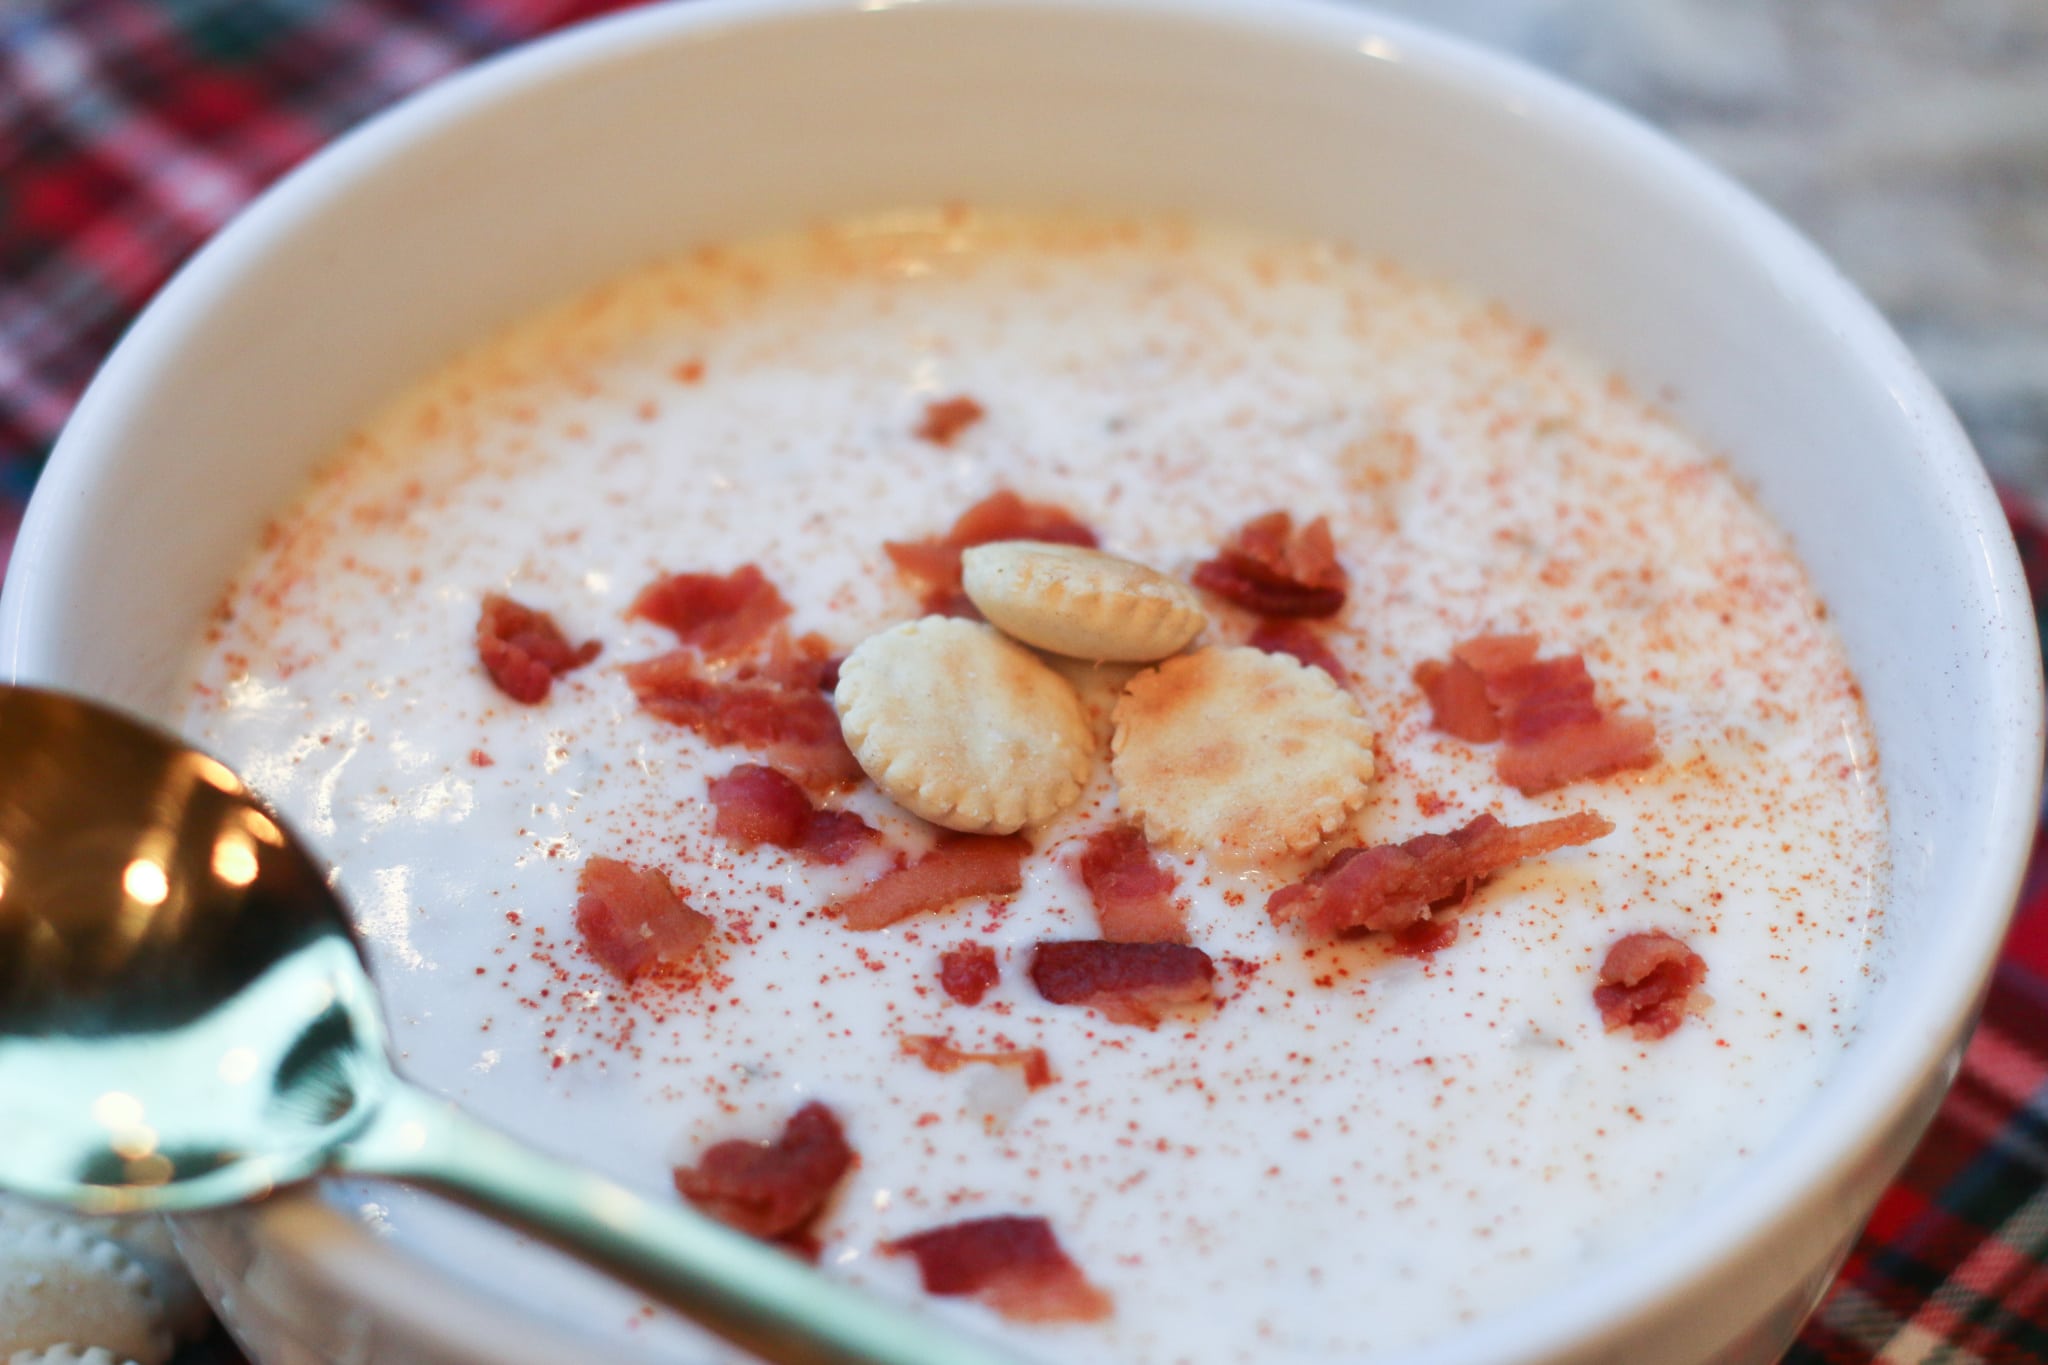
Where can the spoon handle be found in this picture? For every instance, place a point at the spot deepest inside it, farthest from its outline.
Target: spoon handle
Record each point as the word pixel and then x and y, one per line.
pixel 752 1295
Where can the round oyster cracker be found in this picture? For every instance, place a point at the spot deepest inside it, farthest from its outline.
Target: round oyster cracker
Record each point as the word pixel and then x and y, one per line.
pixel 963 727
pixel 59 1284
pixel 144 1239
pixel 1240 752
pixel 1081 603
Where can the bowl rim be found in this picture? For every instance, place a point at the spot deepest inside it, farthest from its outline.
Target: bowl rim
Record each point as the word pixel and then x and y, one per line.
pixel 1872 1091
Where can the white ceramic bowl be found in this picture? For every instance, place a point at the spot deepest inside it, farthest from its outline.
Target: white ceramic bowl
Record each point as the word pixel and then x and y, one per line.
pixel 584 156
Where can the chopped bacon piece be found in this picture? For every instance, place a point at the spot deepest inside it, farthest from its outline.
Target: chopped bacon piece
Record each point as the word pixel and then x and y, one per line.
pixel 959 866
pixel 1535 698
pixel 758 805
pixel 1611 744
pixel 758 707
pixel 631 918
pixel 946 418
pixel 742 710
pixel 968 972
pixel 1003 515
pixel 805 663
pixel 1276 570
pixel 1457 700
pixel 1013 1264
pixel 1497 653
pixel 1390 886
pixel 1303 642
pixel 524 651
pixel 1130 983
pixel 1000 516
pixel 940 1055
pixel 1556 731
pixel 935 562
pixel 1646 984
pixel 721 614
pixel 1426 937
pixel 1133 894
pixel 772 1190
pixel 835 836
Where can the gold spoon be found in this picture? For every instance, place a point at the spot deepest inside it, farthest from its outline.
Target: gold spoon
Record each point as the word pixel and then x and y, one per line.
pixel 186 1023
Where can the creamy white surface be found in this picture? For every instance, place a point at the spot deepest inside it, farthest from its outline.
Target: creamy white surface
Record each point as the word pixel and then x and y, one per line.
pixel 1352 1153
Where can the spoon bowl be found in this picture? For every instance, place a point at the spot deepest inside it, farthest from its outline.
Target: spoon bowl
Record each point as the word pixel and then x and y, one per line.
pixel 146 895
pixel 186 1022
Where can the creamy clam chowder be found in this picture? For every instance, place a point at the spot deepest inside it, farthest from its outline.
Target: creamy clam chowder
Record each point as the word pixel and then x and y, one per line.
pixel 1358 1141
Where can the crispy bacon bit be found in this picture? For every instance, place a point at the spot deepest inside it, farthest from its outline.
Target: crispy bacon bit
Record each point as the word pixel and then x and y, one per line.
pixel 1426 937
pixel 1555 730
pixel 959 866
pixel 1013 1264
pixel 1610 744
pixel 1646 984
pixel 939 1054
pixel 1002 515
pixel 1133 894
pixel 1130 983
pixel 771 707
pixel 1497 653
pixel 969 972
pixel 1540 696
pixel 805 663
pixel 1276 570
pixel 835 836
pixel 948 417
pixel 772 1190
pixel 1389 887
pixel 1303 642
pixel 721 614
pixel 758 805
pixel 631 918
pixel 1457 700
pixel 524 651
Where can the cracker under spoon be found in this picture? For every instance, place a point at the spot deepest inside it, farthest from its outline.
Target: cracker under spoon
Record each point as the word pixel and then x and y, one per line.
pixel 186 1023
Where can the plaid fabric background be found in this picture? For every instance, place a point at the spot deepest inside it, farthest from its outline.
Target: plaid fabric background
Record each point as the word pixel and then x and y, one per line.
pixel 131 129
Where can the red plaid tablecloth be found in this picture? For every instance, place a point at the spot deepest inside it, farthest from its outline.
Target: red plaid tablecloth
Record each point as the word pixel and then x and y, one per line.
pixel 132 129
